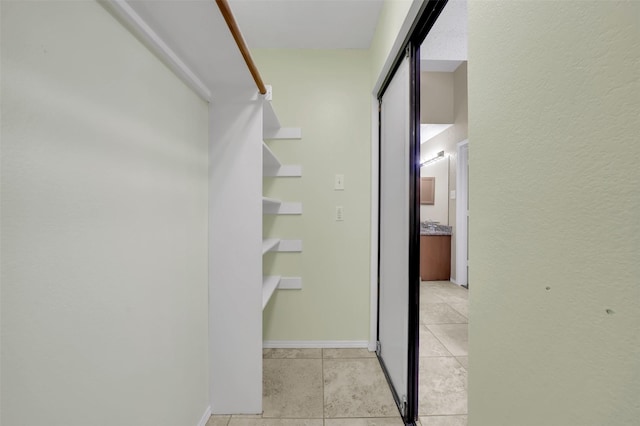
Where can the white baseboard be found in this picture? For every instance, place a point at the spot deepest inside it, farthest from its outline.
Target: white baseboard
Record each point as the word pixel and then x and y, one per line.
pixel 205 417
pixel 329 344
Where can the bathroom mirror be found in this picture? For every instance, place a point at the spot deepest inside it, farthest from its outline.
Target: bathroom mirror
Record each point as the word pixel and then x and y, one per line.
pixel 438 209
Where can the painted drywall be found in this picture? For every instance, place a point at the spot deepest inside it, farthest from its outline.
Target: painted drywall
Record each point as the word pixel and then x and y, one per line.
pixel 436 97
pixel 447 141
pixel 104 226
pixel 235 253
pixel 327 94
pixel 554 95
pixel 392 16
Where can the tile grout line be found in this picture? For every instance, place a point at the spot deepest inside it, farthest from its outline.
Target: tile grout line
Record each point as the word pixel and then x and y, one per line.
pixel 323 403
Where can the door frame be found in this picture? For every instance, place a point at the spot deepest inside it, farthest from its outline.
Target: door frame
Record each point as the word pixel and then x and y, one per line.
pixel 462 211
pixel 421 25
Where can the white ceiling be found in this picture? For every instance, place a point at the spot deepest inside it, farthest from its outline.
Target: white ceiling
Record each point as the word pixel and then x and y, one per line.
pixel 307 24
pixel 445 47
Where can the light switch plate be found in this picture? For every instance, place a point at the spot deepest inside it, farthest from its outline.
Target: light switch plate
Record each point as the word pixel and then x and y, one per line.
pixel 452 194
pixel 339 213
pixel 339 183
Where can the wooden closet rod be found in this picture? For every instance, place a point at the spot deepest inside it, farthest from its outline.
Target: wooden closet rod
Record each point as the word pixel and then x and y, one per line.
pixel 223 5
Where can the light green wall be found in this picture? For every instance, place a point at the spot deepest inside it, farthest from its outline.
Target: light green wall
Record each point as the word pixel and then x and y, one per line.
pixel 104 226
pixel 554 96
pixel 327 94
pixel 392 16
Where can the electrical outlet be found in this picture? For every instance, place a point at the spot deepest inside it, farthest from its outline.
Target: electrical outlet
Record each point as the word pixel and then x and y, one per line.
pixel 339 213
pixel 339 183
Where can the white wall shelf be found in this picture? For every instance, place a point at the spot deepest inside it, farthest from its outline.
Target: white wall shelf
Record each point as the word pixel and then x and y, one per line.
pixel 270 122
pixel 269 159
pixel 287 170
pixel 270 204
pixel 269 285
pixel 290 283
pixel 268 244
pixel 288 246
pixel 281 208
pixel 283 133
pixel 281 246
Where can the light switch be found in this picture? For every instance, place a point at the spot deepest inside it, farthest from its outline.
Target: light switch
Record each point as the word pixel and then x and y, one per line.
pixel 339 213
pixel 452 194
pixel 339 183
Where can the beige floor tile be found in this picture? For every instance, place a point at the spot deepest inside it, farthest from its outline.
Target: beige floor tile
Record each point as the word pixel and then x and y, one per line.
pixel 463 308
pixel 440 313
pixel 429 345
pixel 291 353
pixel 274 422
pixel 452 295
pixel 348 353
pixel 464 361
pixel 444 421
pixel 218 421
pixel 439 284
pixel 292 388
pixel 429 295
pixel 442 387
pixel 356 388
pixel 385 421
pixel 454 337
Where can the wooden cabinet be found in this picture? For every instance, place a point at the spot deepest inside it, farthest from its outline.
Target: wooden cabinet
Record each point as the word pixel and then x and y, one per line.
pixel 435 257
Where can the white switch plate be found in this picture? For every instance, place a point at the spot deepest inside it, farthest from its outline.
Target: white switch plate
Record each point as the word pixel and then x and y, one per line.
pixel 452 194
pixel 339 183
pixel 339 213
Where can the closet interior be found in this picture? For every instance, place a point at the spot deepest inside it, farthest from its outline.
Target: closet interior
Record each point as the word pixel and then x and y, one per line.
pixel 201 43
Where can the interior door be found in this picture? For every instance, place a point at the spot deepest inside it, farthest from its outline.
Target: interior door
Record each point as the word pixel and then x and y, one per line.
pixel 399 236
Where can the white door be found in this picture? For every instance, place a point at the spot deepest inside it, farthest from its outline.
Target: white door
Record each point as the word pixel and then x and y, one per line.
pixel 393 320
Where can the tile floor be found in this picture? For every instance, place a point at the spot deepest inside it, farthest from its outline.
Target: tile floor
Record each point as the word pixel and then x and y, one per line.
pixel 346 387
pixel 321 387
pixel 443 354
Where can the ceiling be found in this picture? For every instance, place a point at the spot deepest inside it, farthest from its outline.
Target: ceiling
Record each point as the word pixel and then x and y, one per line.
pixel 445 47
pixel 307 24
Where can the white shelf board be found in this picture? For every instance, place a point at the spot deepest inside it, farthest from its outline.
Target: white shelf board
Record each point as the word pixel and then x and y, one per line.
pixel 286 170
pixel 269 285
pixel 282 208
pixel 270 122
pixel 290 283
pixel 282 133
pixel 290 246
pixel 269 243
pixel 270 203
pixel 269 159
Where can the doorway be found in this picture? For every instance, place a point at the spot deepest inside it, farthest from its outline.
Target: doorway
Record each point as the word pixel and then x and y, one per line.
pixel 398 319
